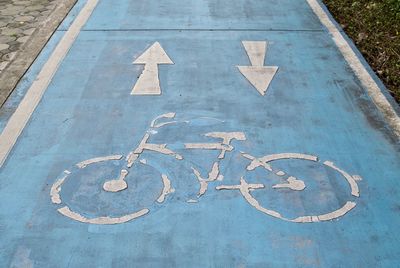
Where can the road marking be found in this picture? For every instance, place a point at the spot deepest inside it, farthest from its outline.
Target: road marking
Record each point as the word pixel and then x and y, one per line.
pixel 155 123
pixel 101 220
pixel 212 176
pixel 148 82
pixel 21 116
pixel 246 188
pixel 166 190
pixel 256 51
pixel 292 183
pixel 264 161
pixel 55 190
pixel 352 182
pixel 257 74
pixel 117 185
pixel 87 162
pixel 144 145
pixel 358 68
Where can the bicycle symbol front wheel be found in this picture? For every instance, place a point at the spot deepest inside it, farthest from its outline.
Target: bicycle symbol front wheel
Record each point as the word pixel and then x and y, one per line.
pixel 96 190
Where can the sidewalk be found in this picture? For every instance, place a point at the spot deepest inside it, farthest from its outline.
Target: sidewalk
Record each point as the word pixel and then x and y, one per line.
pixel 200 134
pixel 25 28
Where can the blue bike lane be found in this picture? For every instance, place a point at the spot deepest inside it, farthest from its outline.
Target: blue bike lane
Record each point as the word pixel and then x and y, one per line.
pixel 199 134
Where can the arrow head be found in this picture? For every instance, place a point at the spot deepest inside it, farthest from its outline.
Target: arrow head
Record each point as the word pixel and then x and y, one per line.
pixel 259 76
pixel 154 54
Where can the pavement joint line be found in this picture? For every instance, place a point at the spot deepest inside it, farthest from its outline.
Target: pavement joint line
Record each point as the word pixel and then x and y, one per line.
pixel 201 30
pixel 22 114
pixel 358 68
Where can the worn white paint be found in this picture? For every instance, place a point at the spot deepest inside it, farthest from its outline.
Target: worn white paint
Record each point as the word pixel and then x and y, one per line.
pixel 255 162
pixel 280 173
pixel 209 146
pixel 292 183
pixel 227 137
pixel 296 184
pixel 84 163
pixel 101 220
pixel 256 51
pixel 212 118
pixel 352 182
pixel 132 156
pixel 273 157
pixel 148 82
pixel 224 146
pixel 144 145
pixel 111 186
pixel 166 190
pixel 165 123
pixel 326 217
pixel 337 213
pixel 155 54
pixel 358 68
pixel 20 118
pixel 167 115
pixel 212 176
pixel 152 131
pixel 55 190
pixel 257 74
pixel 118 184
pixel 203 182
pixel 246 188
pixel 161 148
pixel 263 161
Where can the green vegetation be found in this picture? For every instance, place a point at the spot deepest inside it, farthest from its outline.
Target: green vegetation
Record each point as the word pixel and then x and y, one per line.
pixel 374 26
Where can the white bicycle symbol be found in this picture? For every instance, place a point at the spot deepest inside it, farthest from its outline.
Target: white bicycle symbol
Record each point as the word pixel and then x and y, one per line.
pixel 135 161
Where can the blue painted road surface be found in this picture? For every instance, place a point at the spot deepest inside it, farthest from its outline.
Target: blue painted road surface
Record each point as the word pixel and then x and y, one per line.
pixel 199 134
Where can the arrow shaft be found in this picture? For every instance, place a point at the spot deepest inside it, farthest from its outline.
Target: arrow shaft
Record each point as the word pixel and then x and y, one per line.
pixel 150 72
pixel 151 68
pixel 148 82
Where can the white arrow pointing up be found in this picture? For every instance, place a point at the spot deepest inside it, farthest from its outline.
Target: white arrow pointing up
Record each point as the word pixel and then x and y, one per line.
pixel 148 82
pixel 259 76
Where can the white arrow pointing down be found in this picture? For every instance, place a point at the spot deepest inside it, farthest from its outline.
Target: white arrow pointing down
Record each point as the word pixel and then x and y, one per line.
pixel 257 74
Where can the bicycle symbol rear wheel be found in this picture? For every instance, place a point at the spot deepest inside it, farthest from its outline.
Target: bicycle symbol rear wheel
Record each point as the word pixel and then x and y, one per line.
pixel 248 190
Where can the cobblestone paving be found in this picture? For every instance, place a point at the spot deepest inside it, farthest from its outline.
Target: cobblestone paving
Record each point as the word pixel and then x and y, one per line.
pixel 18 21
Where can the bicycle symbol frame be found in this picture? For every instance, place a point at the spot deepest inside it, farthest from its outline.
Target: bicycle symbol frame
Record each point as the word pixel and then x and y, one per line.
pixel 133 159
